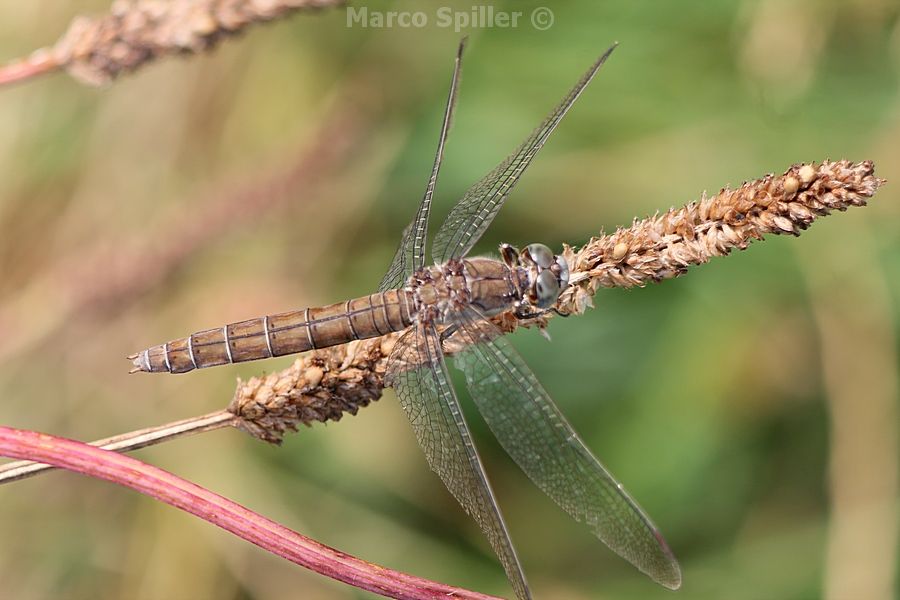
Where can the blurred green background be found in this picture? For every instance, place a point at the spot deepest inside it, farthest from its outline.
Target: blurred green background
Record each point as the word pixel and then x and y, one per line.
pixel 750 407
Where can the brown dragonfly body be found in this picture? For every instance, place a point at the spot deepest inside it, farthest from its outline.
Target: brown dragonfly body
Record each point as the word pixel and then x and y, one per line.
pixel 430 295
pixel 453 301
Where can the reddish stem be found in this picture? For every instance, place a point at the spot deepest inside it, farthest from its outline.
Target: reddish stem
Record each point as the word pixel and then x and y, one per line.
pixel 267 534
pixel 20 70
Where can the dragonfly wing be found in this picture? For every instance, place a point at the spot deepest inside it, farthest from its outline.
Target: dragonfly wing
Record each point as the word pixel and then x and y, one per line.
pixel 418 374
pixel 410 255
pixel 472 215
pixel 537 436
pixel 399 271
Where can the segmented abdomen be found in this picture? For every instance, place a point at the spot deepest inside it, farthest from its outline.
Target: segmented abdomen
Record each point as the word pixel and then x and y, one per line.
pixel 281 334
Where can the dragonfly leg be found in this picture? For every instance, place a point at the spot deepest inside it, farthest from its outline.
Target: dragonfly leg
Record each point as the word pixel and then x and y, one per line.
pixel 532 314
pixel 447 333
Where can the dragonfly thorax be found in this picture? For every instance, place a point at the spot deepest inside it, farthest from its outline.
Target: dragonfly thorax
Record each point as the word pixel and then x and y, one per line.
pixel 440 291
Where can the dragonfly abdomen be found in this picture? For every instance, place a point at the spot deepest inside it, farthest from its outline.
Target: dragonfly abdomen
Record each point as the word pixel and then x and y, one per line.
pixel 281 334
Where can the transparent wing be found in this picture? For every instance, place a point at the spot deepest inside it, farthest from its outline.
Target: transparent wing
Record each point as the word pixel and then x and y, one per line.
pixel 537 436
pixel 472 215
pixel 418 374
pixel 410 255
pixel 399 271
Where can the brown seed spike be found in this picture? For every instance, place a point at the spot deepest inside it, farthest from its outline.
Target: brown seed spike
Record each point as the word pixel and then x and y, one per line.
pixel 135 32
pixel 663 247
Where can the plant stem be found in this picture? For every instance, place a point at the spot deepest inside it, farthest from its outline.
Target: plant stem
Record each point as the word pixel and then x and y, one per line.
pixel 129 441
pixel 18 71
pixel 230 516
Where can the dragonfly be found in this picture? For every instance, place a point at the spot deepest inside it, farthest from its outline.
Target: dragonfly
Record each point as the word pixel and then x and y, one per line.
pixel 444 309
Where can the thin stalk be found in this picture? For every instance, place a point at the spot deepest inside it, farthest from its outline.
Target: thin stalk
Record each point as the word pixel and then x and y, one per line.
pixel 18 71
pixel 127 442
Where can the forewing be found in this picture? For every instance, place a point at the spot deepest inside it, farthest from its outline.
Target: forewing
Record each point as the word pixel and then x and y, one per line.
pixel 472 215
pixel 410 255
pixel 418 374
pixel 537 436
pixel 399 271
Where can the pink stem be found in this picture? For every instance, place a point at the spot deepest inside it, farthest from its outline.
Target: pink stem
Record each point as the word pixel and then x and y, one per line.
pixel 267 534
pixel 27 68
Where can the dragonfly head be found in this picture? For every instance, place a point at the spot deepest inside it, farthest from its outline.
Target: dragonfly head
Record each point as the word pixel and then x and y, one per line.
pixel 545 274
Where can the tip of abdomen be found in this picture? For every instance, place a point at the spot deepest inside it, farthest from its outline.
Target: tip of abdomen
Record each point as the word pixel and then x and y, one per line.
pixel 141 362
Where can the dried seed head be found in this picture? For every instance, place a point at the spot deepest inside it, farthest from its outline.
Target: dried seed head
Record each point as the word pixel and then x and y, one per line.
pixel 664 246
pixel 318 386
pixel 97 50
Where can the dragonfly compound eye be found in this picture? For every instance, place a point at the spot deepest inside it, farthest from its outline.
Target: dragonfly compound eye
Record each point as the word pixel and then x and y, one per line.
pixel 546 289
pixel 541 255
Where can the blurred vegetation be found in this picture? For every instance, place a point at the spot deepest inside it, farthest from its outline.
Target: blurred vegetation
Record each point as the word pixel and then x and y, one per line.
pixel 751 406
